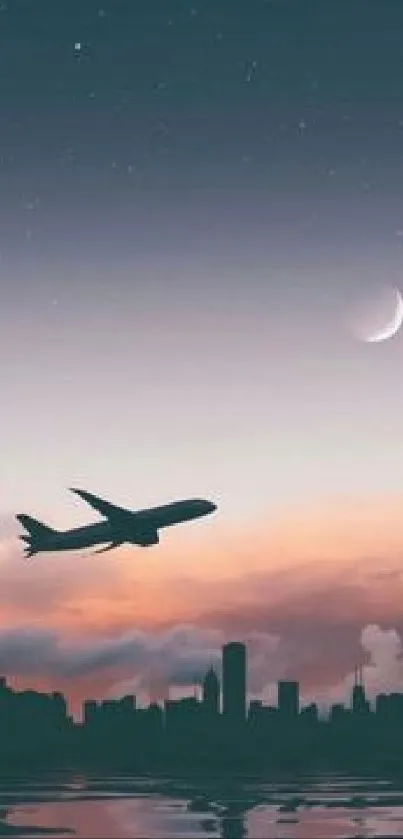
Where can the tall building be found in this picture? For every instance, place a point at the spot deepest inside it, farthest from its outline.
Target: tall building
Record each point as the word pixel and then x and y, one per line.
pixel 288 698
pixel 234 681
pixel 211 692
pixel 359 702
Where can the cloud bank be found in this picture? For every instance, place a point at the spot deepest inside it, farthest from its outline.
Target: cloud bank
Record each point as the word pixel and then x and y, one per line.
pixel 138 661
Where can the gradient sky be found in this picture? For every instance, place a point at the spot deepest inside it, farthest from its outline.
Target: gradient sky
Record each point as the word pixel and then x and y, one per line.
pixel 194 198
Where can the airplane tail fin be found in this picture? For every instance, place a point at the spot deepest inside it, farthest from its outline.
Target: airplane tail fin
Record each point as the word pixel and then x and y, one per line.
pixel 37 533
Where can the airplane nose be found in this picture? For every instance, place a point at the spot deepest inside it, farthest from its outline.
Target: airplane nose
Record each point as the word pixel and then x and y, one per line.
pixel 212 507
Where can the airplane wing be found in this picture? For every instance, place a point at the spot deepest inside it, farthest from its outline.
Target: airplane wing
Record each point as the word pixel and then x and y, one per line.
pixel 114 514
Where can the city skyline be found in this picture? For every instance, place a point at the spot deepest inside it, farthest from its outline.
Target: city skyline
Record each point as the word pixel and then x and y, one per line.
pixel 223 692
pixel 218 680
pixel 221 696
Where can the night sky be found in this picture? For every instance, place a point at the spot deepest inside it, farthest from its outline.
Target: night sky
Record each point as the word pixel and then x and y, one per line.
pixel 194 196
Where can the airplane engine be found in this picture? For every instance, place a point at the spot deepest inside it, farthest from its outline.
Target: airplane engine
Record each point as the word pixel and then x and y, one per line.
pixel 145 540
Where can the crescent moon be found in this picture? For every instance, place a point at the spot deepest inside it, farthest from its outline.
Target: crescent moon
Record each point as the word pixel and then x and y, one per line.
pixel 392 327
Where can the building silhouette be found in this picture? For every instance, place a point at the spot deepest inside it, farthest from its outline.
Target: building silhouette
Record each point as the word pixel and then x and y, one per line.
pixel 234 682
pixel 288 699
pixel 192 735
pixel 359 701
pixel 211 692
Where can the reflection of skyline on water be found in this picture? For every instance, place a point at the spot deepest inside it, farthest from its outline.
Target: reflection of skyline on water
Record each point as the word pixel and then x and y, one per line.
pixel 22 831
pixel 130 808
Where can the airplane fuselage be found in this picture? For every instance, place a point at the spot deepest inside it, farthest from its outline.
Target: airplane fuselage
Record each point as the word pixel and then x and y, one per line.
pixel 81 537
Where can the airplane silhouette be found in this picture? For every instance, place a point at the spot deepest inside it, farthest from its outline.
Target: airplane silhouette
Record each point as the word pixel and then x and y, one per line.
pixel 138 527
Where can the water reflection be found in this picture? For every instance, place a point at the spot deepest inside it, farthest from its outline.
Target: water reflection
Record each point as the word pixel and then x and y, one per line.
pixel 333 808
pixel 7 829
pixel 233 824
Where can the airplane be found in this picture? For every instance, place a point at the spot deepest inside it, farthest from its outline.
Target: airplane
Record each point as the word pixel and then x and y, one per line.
pixel 137 527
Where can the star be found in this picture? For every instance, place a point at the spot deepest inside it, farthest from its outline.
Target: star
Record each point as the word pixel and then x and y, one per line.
pixel 31 205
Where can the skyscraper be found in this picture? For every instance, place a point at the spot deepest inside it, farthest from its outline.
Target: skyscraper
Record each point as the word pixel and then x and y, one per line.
pixel 234 681
pixel 288 698
pixel 211 692
pixel 359 702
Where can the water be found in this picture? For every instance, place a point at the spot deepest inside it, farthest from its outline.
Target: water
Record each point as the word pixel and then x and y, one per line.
pixel 127 808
